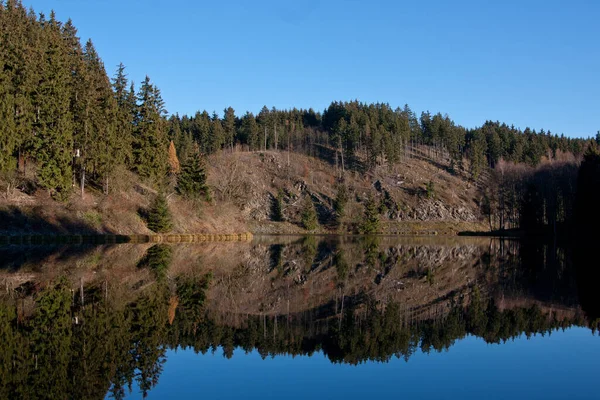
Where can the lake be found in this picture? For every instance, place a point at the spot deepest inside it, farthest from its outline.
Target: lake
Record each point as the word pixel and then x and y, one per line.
pixel 300 317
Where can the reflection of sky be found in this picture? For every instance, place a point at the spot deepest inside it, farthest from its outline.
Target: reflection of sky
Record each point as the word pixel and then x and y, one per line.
pixel 562 365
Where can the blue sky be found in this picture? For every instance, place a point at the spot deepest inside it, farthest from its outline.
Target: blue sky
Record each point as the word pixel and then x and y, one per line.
pixel 528 63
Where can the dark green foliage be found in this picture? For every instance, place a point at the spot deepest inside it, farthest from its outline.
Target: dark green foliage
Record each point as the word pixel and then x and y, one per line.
pixel 59 348
pixel 340 201
pixel 150 134
pixel 430 189
pixel 277 208
pixel 157 258
pixel 341 265
pixel 159 216
pixel 191 182
pixel 587 200
pixel 60 111
pixel 310 246
pixel 477 148
pixel 309 218
pixel 370 222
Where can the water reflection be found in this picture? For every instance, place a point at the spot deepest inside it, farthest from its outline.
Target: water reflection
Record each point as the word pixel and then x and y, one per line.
pixel 84 322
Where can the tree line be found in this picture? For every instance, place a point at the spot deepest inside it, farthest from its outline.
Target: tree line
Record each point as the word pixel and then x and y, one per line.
pixel 64 117
pixel 375 134
pixel 84 350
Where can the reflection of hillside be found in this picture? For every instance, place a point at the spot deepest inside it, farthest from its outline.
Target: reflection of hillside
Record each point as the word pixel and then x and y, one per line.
pixel 279 275
pixel 109 320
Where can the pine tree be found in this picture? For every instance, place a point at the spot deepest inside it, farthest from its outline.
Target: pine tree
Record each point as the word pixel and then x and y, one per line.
pixel 278 207
pixel 477 151
pixel 370 223
pixel 102 142
pixel 191 182
pixel 125 114
pixel 159 216
pixel 309 214
pixel 229 126
pixel 54 140
pixel 150 138
pixel 217 135
pixel 339 203
pixel 249 131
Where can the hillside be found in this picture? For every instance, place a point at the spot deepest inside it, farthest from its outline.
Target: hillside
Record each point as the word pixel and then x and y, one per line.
pixel 245 186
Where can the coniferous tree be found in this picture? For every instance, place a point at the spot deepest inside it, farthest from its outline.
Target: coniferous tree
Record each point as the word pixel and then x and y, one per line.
pixel 339 203
pixel 125 116
pixel 278 207
pixel 309 214
pixel 100 123
pixel 217 134
pixel 150 136
pixel 229 122
pixel 249 131
pixel 159 216
pixel 370 222
pixel 53 142
pixel 191 182
pixel 588 195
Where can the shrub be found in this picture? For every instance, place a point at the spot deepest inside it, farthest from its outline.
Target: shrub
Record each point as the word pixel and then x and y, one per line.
pixel 430 188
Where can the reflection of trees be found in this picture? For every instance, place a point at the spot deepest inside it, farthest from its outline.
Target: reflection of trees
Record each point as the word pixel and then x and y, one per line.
pixel 49 355
pixel 64 348
pixel 70 351
pixel 157 259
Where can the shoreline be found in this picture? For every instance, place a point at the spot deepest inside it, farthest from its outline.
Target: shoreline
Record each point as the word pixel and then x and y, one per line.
pixel 69 239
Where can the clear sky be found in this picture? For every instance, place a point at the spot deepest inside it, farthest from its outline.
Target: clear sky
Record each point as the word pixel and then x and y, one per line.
pixel 528 62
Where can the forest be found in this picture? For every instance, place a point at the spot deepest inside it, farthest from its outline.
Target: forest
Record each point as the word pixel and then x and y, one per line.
pixel 70 124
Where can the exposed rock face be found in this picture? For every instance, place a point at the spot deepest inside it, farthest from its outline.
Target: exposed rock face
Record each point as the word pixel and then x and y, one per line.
pixel 436 210
pixel 255 181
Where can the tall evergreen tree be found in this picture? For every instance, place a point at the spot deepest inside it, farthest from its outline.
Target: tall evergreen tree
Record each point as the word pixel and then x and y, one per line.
pixel 150 136
pixel 309 218
pixel 370 222
pixel 159 215
pixel 125 115
pixel 191 182
pixel 229 123
pixel 53 142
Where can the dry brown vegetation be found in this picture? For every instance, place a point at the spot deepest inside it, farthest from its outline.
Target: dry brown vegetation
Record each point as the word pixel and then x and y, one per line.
pixel 426 275
pixel 244 186
pixel 252 181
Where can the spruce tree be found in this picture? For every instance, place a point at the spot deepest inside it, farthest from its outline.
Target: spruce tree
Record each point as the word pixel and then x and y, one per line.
pixel 159 216
pixel 217 134
pixel 309 214
pixel 229 122
pixel 370 222
pixel 150 136
pixel 339 203
pixel 54 138
pixel 191 182
pixel 100 119
pixel 277 211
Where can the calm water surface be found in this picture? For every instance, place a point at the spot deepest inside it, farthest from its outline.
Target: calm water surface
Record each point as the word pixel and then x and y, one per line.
pixel 299 317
